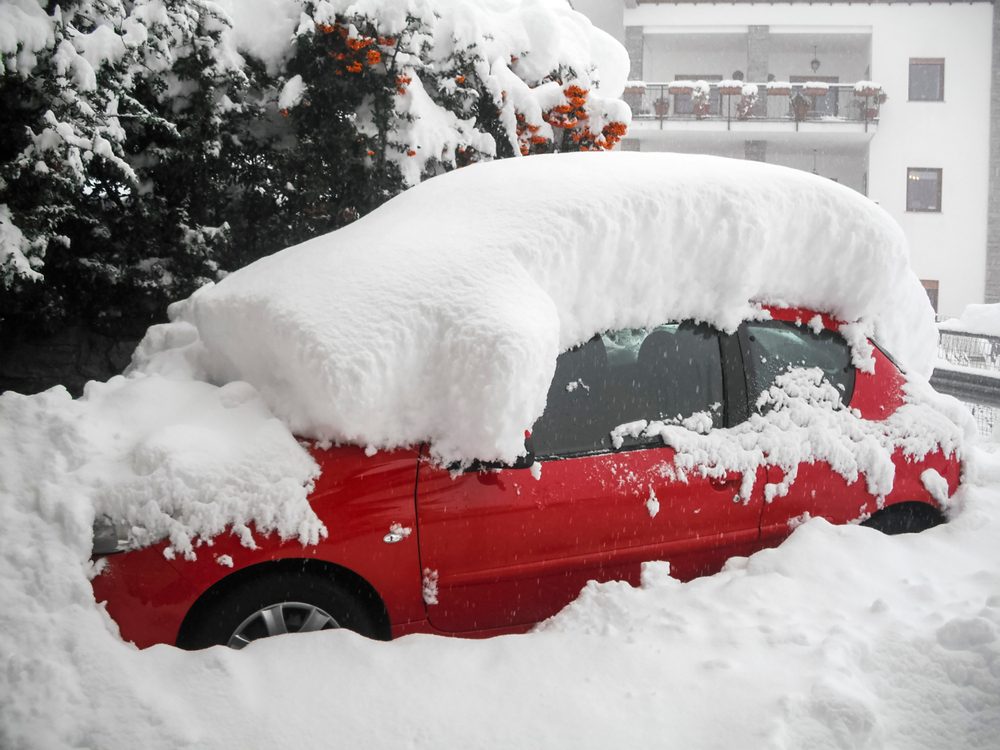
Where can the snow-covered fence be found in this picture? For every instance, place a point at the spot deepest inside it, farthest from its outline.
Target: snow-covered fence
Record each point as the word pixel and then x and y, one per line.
pixel 969 349
pixel 969 370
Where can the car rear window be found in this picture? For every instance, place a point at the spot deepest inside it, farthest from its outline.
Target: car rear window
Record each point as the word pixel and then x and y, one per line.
pixel 774 347
pixel 669 372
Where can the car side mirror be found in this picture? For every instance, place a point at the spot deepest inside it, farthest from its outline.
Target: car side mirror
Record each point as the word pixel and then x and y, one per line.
pixel 522 462
pixel 528 459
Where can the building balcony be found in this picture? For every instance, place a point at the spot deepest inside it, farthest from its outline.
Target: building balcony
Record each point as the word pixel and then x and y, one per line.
pixel 838 111
pixel 835 109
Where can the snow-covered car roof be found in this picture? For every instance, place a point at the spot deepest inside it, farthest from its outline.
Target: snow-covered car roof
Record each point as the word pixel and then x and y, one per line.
pixel 439 316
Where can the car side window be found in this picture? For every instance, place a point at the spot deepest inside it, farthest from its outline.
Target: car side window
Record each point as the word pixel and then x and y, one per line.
pixel 773 347
pixel 669 372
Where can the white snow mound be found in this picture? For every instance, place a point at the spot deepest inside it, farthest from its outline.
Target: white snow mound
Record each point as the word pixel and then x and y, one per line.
pixel 439 316
pixel 982 319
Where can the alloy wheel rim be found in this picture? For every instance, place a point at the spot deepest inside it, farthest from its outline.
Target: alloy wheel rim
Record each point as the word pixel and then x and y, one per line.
pixel 281 618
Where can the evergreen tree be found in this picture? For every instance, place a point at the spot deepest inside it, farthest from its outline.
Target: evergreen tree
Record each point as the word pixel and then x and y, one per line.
pixel 117 168
pixel 143 156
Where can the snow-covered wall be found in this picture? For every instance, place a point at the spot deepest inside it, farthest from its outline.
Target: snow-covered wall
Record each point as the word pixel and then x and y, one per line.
pixel 953 135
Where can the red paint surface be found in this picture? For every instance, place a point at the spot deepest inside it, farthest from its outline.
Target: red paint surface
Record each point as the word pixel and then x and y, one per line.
pixel 357 497
pixel 511 549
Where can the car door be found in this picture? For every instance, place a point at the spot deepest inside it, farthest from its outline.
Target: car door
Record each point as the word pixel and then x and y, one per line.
pixel 505 546
pixel 770 348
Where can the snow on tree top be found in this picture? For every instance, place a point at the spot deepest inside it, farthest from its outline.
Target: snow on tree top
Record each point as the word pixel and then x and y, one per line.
pixel 439 316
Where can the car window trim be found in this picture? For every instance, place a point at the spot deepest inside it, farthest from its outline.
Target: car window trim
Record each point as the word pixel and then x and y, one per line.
pixel 734 378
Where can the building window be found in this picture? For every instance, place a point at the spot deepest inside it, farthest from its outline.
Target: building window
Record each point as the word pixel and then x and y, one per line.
pixel 923 189
pixel 931 286
pixel 926 79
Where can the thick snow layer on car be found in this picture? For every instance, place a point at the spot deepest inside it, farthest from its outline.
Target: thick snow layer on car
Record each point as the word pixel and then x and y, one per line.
pixel 181 460
pixel 516 46
pixel 439 316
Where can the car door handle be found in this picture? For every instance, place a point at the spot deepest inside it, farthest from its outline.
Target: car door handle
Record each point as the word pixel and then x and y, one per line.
pixel 725 483
pixel 491 478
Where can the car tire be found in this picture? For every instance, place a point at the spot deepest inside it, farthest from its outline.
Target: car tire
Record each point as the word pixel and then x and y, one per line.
pixel 272 604
pixel 905 518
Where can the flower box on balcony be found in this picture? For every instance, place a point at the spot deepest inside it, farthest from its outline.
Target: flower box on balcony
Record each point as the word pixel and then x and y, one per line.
pixel 730 88
pixel 815 88
pixel 637 88
pixel 779 88
pixel 867 89
pixel 681 87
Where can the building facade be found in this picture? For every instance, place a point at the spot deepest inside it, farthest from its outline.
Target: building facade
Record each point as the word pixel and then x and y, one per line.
pixel 891 99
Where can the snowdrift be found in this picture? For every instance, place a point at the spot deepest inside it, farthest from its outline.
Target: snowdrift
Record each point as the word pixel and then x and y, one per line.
pixel 438 317
pixel 982 319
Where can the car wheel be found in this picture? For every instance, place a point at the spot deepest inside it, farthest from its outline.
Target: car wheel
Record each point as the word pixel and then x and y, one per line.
pixel 274 604
pixel 905 518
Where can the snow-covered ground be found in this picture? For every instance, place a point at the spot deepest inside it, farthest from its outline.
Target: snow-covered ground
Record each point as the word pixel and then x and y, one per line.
pixel 841 638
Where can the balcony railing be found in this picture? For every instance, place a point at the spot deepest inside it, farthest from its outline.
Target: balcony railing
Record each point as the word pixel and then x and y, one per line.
pixel 795 102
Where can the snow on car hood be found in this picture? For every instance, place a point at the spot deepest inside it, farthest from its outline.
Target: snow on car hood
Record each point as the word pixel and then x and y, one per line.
pixel 439 316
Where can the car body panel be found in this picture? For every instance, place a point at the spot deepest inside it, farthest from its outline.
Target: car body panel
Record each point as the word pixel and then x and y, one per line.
pixel 508 548
pixel 357 497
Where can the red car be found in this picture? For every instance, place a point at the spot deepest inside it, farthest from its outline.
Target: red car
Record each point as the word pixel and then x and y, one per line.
pixel 415 547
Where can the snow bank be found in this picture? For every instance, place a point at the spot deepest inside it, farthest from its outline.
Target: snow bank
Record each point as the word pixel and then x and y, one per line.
pixel 439 316
pixel 840 638
pixel 984 319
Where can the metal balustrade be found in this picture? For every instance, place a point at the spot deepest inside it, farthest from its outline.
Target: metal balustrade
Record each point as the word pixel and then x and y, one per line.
pixel 667 101
pixel 969 370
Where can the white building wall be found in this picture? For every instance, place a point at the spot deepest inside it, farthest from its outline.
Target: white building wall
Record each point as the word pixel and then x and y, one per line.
pixel 953 135
pixel 846 166
pixel 604 14
pixel 669 56
pixel 949 246
pixel 850 65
